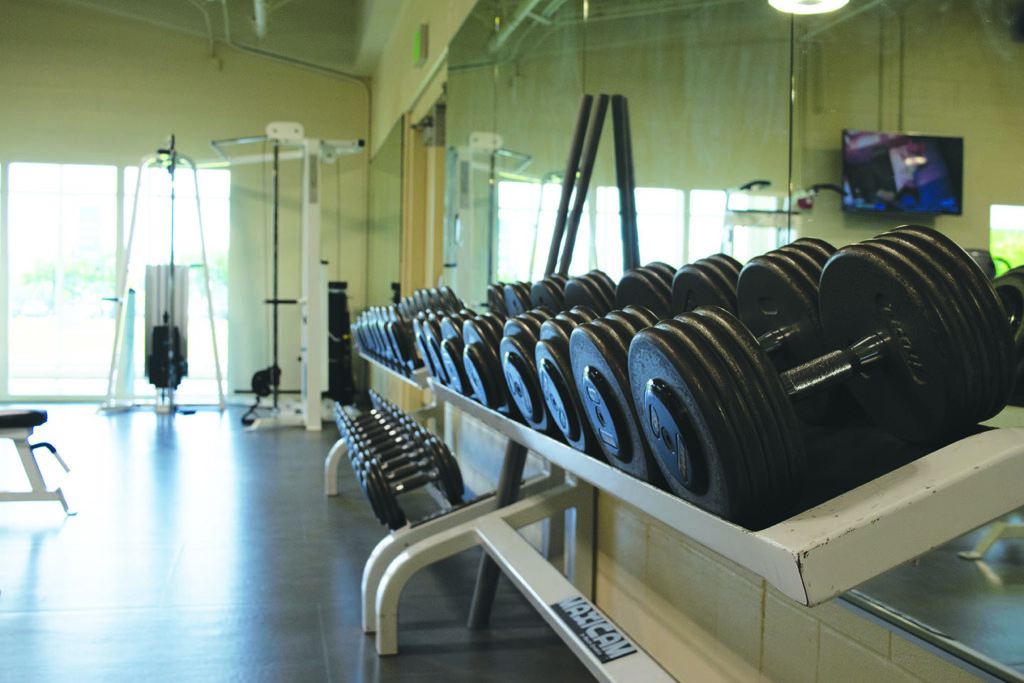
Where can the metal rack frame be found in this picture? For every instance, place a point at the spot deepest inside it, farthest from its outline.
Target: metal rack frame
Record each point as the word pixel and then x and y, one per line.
pixel 812 557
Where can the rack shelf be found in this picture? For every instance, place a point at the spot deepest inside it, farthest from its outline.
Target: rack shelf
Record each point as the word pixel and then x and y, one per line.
pixel 418 379
pixel 831 548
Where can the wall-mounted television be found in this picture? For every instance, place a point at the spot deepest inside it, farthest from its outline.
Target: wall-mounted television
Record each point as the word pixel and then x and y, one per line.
pixel 902 172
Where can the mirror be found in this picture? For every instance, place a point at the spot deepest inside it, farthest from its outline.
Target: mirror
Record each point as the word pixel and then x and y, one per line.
pixel 737 114
pixel 384 240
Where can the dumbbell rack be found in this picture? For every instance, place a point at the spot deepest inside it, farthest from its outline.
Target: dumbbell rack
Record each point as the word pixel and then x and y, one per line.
pixel 812 557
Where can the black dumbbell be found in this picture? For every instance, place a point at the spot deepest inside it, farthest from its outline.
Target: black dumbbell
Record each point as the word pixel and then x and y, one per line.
pixel 594 291
pixel 549 292
pixel 777 300
pixel 397 431
pixel 649 286
pixel 598 352
pixel 517 298
pixel 709 281
pixel 427 329
pixel 496 300
pixel 519 367
pixel 452 346
pixel 921 342
pixel 482 336
pixel 556 383
pixel 383 491
pixel 394 454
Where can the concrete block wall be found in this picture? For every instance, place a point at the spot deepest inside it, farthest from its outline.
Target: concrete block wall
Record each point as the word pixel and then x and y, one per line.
pixel 705 618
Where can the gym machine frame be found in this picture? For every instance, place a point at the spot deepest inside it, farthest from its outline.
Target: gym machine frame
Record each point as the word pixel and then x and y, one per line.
pixel 119 365
pixel 811 557
pixel 312 151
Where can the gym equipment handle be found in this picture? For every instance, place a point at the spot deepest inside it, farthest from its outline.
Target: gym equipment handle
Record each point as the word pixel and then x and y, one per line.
pixel 835 367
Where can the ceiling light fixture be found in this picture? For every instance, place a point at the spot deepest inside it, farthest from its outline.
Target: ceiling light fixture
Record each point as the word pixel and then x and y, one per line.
pixel 807 6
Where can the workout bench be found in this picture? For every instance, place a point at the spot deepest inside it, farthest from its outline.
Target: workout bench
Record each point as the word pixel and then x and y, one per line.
pixel 17 425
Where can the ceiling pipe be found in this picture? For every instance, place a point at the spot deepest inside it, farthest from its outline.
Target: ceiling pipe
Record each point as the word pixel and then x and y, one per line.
pixel 507 30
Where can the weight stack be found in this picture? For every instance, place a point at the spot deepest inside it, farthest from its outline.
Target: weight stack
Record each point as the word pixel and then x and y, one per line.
pixel 340 385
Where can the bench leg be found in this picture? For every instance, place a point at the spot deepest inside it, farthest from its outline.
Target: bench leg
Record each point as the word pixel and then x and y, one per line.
pixel 38 488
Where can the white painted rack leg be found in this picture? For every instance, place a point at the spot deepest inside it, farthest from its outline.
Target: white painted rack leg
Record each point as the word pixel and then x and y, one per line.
pixel 541 583
pixel 394 544
pixel 334 457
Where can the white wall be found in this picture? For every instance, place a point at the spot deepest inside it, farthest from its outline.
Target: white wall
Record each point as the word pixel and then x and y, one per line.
pixel 79 86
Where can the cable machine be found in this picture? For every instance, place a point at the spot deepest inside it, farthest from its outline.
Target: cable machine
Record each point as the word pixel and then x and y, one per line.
pixel 166 339
pixel 289 142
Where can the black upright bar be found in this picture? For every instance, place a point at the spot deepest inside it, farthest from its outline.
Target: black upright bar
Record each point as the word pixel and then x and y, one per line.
pixel 487 576
pixel 568 182
pixel 583 183
pixel 626 182
pixel 274 377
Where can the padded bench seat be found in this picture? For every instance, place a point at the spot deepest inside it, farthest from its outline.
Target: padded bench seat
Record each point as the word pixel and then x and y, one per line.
pixel 21 419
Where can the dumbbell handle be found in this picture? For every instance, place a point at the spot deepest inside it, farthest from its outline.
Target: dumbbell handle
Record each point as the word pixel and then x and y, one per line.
pixel 835 367
pixel 773 340
pixel 394 459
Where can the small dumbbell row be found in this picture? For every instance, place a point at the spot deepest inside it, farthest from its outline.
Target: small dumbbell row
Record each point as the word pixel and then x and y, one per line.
pixel 384 477
pixel 391 455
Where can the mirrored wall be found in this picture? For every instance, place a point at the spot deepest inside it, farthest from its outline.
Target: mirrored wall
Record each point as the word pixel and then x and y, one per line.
pixel 737 114
pixel 749 128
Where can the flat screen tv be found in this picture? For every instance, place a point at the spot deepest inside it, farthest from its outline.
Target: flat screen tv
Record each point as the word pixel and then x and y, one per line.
pixel 902 172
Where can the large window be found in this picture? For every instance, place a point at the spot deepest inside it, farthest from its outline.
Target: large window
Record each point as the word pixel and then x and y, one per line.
pixel 62 262
pixel 1006 239
pixel 61 238
pixel 526 219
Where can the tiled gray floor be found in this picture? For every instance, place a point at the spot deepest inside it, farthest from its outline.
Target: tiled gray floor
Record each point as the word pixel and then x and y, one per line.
pixel 203 552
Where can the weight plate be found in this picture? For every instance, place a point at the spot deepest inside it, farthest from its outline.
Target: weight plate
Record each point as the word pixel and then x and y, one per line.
pixel 734 385
pixel 582 291
pixel 606 287
pixel 686 418
pixel 727 263
pixel 481 366
pixel 635 318
pixel 517 297
pixel 432 337
pixel 451 357
pixel 757 386
pixel 777 299
pixel 983 311
pixel 449 475
pixel 517 363
pixel 662 269
pixel 969 368
pixel 777 292
pixel 820 250
pixel 382 499
pixel 645 287
pixel 861 294
pixel 496 300
pixel 787 441
pixel 702 283
pixel 598 355
pixel 549 292
pixel 559 392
